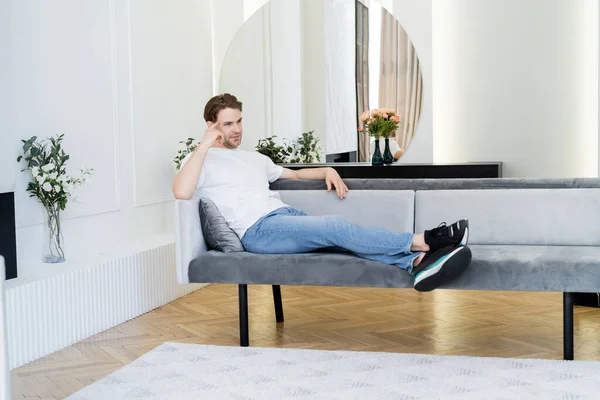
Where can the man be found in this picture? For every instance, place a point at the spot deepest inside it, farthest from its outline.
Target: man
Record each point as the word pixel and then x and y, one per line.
pixel 237 182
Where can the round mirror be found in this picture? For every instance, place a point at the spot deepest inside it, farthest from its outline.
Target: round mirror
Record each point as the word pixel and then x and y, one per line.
pixel 306 70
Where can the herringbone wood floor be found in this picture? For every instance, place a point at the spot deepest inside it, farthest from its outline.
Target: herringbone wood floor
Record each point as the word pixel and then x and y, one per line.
pixel 473 323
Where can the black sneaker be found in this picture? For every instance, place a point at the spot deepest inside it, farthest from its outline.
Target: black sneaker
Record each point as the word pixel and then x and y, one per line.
pixel 456 234
pixel 440 267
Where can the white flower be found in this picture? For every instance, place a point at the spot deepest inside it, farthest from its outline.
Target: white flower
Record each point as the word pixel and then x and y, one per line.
pixel 56 188
pixel 35 171
pixel 47 187
pixel 69 188
pixel 40 179
pixel 62 179
pixel 53 176
pixel 48 167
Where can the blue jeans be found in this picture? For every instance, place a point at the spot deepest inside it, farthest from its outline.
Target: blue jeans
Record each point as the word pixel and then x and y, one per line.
pixel 287 231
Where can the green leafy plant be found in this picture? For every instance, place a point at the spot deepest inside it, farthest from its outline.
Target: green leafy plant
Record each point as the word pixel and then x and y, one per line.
pixel 305 150
pixel 277 153
pixel 190 146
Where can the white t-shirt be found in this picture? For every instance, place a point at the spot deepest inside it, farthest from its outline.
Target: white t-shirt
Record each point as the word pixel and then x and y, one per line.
pixel 237 181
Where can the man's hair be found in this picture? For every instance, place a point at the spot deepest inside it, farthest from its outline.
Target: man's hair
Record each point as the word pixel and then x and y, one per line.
pixel 218 103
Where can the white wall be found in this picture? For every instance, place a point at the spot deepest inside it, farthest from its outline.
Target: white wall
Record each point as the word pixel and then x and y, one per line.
pixel 249 83
pixel 252 6
pixel 517 81
pixel 388 4
pixel 63 80
pixel 286 68
pixel 226 16
pixel 170 83
pixel 263 68
pixel 8 152
pixel 125 81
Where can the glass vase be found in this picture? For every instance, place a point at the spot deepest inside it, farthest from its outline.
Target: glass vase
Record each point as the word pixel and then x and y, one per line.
pixel 377 159
pixel 388 157
pixel 53 237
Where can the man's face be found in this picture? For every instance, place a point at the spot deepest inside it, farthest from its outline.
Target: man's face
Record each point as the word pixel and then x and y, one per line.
pixel 230 124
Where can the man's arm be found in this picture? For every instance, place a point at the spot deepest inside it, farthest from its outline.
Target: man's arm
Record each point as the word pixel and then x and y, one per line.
pixel 185 182
pixel 329 174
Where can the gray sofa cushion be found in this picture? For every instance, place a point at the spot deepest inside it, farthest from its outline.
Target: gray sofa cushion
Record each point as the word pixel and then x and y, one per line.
pixel 494 267
pixel 516 216
pixel 217 233
pixel 532 268
pixel 389 209
pixel 320 268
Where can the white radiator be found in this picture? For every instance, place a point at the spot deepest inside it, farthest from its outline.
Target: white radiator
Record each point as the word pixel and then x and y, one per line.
pixel 47 315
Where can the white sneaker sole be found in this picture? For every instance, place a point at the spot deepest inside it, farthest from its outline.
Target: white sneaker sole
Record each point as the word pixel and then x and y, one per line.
pixel 465 239
pixel 445 270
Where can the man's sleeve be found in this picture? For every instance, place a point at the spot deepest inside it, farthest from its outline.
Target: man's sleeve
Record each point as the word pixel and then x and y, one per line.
pixel 202 172
pixel 273 171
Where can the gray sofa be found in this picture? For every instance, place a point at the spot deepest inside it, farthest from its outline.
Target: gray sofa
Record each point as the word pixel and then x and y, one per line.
pixel 525 235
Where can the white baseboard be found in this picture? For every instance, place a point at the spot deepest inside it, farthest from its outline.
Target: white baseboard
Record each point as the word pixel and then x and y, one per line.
pixel 49 314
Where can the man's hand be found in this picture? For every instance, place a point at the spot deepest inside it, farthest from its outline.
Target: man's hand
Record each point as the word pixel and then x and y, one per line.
pixel 333 178
pixel 211 136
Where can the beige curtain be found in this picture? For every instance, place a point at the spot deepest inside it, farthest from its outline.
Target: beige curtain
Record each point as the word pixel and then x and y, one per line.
pixel 400 80
pixel 362 76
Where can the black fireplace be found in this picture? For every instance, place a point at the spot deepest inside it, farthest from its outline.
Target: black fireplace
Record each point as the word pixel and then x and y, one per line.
pixel 8 236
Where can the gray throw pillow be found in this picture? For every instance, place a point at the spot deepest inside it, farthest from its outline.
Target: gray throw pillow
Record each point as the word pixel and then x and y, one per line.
pixel 217 233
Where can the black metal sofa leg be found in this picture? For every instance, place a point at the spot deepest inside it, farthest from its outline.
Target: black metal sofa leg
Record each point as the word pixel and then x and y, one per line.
pixel 568 325
pixel 278 304
pixel 243 297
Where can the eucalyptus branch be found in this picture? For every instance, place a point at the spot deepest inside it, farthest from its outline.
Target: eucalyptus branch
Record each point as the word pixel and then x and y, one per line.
pixel 190 146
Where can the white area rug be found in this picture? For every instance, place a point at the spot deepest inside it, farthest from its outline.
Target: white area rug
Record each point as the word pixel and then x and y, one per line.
pixel 190 371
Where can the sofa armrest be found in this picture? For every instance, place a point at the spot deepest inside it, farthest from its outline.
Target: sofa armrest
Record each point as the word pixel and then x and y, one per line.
pixel 189 241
